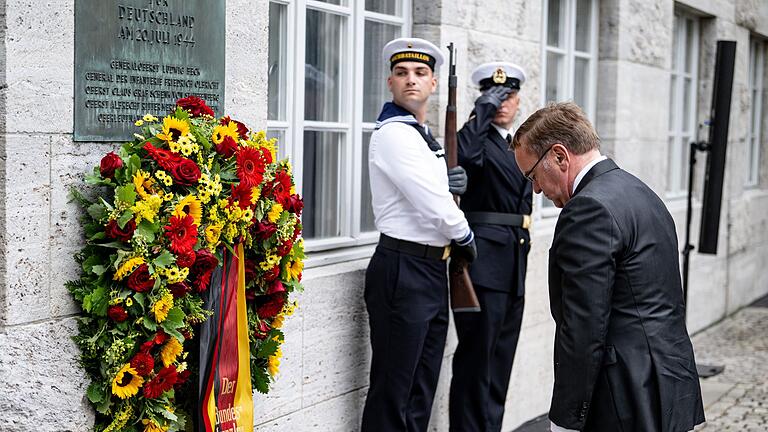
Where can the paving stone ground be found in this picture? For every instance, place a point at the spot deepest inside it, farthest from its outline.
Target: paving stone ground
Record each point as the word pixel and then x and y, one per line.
pixel 737 398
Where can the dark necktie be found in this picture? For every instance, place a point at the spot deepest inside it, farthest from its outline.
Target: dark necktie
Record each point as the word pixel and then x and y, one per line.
pixel 509 139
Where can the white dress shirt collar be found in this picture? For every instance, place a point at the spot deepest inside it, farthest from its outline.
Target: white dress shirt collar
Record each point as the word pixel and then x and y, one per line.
pixel 585 170
pixel 502 131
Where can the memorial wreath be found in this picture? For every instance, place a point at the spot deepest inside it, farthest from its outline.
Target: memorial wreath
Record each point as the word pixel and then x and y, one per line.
pixel 161 216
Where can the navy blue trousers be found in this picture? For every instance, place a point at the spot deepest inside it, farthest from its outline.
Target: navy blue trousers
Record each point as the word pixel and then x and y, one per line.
pixel 407 302
pixel 482 363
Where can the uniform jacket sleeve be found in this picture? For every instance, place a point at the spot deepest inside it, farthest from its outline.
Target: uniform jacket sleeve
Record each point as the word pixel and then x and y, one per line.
pixel 585 251
pixel 471 151
pixel 402 154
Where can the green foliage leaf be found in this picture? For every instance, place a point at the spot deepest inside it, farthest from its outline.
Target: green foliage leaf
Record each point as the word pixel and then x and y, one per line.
pixel 267 348
pixel 260 379
pixel 164 260
pixel 95 393
pixel 147 230
pixel 97 301
pixel 98 269
pixel 126 194
pixel 150 324
pixel 124 219
pixel 133 165
pixel 175 319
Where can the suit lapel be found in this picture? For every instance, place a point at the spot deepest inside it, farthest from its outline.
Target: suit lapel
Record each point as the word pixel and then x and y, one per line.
pixel 599 169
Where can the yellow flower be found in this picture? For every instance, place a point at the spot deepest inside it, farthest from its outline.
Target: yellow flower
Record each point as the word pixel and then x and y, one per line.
pixel 293 190
pixel 128 267
pixel 149 118
pixel 212 233
pixel 220 132
pixel 175 275
pixel 162 306
pixel 170 351
pixel 139 123
pixel 274 213
pixel 127 382
pixel 150 426
pixel 143 183
pixel 278 321
pixel 294 269
pixel 173 129
pixel 164 177
pixel 255 194
pixel 189 205
pixel 129 302
pixel 147 208
pixel 247 215
pixel 273 363
pixel 120 419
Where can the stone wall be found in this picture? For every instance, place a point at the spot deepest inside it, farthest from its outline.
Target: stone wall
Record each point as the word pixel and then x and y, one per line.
pixel 42 387
pixel 324 371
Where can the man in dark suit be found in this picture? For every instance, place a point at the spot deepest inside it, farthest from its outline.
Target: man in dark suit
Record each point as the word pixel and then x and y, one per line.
pixel 497 204
pixel 623 358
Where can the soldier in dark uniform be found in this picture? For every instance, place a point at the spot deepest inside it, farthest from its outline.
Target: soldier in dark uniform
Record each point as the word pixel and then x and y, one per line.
pixel 497 204
pixel 406 283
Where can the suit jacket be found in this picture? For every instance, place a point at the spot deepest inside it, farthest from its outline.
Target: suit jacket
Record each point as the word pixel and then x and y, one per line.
pixel 495 184
pixel 623 358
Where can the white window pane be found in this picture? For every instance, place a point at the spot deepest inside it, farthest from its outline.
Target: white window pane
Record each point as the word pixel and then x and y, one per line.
pixel 334 2
pixel 689 29
pixel 672 164
pixel 276 100
pixel 673 106
pixel 391 7
pixel 583 24
pixel 676 42
pixel 375 91
pixel 581 83
pixel 684 147
pixel 546 202
pixel 366 210
pixel 555 23
pixel 554 84
pixel 323 86
pixel 687 109
pixel 322 181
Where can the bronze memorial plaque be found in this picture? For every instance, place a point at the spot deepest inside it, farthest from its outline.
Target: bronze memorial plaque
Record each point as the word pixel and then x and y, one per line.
pixel 134 57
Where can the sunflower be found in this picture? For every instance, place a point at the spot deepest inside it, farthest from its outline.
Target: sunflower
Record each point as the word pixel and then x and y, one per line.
pixel 220 132
pixel 273 363
pixel 212 234
pixel 294 269
pixel 127 382
pixel 150 426
pixel 189 205
pixel 128 267
pixel 173 129
pixel 274 213
pixel 142 181
pixel 162 306
pixel 170 351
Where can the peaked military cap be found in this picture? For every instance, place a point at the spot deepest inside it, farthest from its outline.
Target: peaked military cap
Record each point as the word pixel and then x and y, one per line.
pixel 412 49
pixel 498 73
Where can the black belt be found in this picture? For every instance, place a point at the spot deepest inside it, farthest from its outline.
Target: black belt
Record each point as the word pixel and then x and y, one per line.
pixel 493 218
pixel 413 248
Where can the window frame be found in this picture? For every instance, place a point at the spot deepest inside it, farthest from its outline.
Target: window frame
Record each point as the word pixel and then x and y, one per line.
pixel 677 173
pixel 570 54
pixel 352 238
pixel 756 88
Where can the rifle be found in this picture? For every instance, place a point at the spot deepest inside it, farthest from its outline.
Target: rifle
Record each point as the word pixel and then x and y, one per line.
pixel 463 297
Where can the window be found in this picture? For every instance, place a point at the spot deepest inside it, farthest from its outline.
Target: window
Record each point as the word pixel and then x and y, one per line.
pixel 682 96
pixel 756 79
pixel 327 83
pixel 569 60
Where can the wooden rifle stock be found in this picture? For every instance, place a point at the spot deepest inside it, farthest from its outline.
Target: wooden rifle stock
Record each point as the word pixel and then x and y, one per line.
pixel 463 296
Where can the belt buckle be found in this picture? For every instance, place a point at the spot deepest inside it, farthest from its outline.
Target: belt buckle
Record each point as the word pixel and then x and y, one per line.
pixel 446 253
pixel 527 221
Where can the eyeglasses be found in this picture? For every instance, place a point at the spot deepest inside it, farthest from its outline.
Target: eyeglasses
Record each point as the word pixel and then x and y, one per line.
pixel 528 173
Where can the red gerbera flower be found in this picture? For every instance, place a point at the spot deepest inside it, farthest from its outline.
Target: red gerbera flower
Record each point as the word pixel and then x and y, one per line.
pixel 250 167
pixel 164 158
pixel 161 383
pixel 182 232
pixel 143 363
pixel 227 148
pixel 241 194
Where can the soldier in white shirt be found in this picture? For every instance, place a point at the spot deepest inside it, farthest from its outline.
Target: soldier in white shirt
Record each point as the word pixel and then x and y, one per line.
pixel 406 286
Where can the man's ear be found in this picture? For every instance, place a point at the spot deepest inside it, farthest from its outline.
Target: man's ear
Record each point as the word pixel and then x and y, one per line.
pixel 561 155
pixel 389 83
